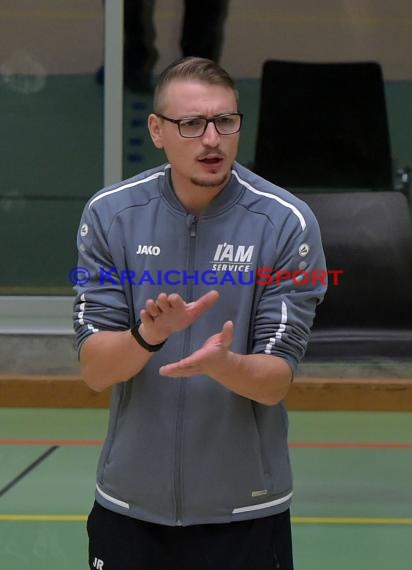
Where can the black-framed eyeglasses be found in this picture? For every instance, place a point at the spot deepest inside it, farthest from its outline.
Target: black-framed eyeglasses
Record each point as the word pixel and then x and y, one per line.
pixel 192 127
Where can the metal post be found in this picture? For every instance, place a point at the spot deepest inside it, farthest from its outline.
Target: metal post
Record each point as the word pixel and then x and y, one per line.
pixel 113 92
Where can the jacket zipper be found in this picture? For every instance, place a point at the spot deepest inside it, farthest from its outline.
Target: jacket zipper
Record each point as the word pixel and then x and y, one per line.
pixel 192 226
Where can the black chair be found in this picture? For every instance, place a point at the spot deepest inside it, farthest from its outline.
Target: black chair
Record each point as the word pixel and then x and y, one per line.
pixel 368 313
pixel 323 127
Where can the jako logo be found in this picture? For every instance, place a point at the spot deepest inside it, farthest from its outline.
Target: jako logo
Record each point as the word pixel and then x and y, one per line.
pixel 98 564
pixel 147 249
pixel 227 252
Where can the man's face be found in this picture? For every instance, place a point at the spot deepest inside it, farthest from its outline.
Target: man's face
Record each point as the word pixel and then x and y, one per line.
pixel 203 161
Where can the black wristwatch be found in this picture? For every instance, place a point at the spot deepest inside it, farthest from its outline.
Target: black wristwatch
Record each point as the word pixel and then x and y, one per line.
pixel 138 337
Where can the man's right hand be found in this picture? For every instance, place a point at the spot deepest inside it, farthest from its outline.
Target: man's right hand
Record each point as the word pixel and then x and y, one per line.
pixel 170 313
pixel 109 357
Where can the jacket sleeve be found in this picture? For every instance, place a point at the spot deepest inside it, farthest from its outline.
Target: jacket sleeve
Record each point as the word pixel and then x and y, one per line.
pixel 100 302
pixel 291 290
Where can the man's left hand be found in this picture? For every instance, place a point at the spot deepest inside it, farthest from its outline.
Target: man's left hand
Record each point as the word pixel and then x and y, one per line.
pixel 209 359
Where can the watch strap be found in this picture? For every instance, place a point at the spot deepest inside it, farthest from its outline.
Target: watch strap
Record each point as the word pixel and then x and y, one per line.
pixel 140 340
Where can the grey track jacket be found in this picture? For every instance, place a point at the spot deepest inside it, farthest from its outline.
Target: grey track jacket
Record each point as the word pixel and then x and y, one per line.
pixel 188 451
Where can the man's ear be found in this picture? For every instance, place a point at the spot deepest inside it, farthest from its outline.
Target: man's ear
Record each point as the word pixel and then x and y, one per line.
pixel 155 129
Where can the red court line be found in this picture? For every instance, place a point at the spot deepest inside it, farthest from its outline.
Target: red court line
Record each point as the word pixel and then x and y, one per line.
pixel 296 444
pixel 62 442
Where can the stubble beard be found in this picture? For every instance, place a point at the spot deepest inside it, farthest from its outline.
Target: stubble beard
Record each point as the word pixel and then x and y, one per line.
pixel 210 183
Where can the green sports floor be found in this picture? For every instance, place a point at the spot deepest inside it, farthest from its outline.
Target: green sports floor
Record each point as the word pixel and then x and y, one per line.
pixel 352 508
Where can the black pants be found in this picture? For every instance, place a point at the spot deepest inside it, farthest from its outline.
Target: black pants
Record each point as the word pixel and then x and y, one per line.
pixel 118 542
pixel 201 32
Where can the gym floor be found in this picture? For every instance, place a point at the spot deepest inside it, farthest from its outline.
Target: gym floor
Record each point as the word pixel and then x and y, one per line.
pixel 351 509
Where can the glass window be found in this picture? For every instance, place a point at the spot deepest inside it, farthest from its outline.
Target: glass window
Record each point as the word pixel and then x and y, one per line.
pixel 51 137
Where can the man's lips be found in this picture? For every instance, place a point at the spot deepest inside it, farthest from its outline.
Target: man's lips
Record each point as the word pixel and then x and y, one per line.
pixel 212 159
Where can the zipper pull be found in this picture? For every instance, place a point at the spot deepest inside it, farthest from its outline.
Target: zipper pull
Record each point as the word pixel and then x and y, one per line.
pixel 192 225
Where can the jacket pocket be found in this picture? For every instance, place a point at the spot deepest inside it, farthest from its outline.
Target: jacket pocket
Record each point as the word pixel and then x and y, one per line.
pixel 263 460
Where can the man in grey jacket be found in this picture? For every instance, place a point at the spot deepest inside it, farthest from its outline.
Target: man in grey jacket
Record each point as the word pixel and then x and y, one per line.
pixel 204 279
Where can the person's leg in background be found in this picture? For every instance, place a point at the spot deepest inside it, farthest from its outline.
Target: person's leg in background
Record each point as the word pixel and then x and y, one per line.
pixel 203 29
pixel 202 35
pixel 140 54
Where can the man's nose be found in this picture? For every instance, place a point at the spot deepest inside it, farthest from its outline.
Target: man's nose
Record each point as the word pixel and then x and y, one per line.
pixel 211 137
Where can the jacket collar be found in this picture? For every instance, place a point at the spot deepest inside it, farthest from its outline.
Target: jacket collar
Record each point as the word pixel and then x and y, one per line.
pixel 229 195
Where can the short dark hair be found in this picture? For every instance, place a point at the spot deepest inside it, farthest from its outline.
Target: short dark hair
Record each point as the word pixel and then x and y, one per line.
pixel 197 68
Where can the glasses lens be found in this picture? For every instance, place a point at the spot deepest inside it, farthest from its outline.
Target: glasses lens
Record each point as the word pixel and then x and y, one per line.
pixel 228 124
pixel 192 127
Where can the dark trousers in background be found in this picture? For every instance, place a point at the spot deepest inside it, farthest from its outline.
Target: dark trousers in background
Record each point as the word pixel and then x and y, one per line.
pixel 201 33
pixel 118 542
